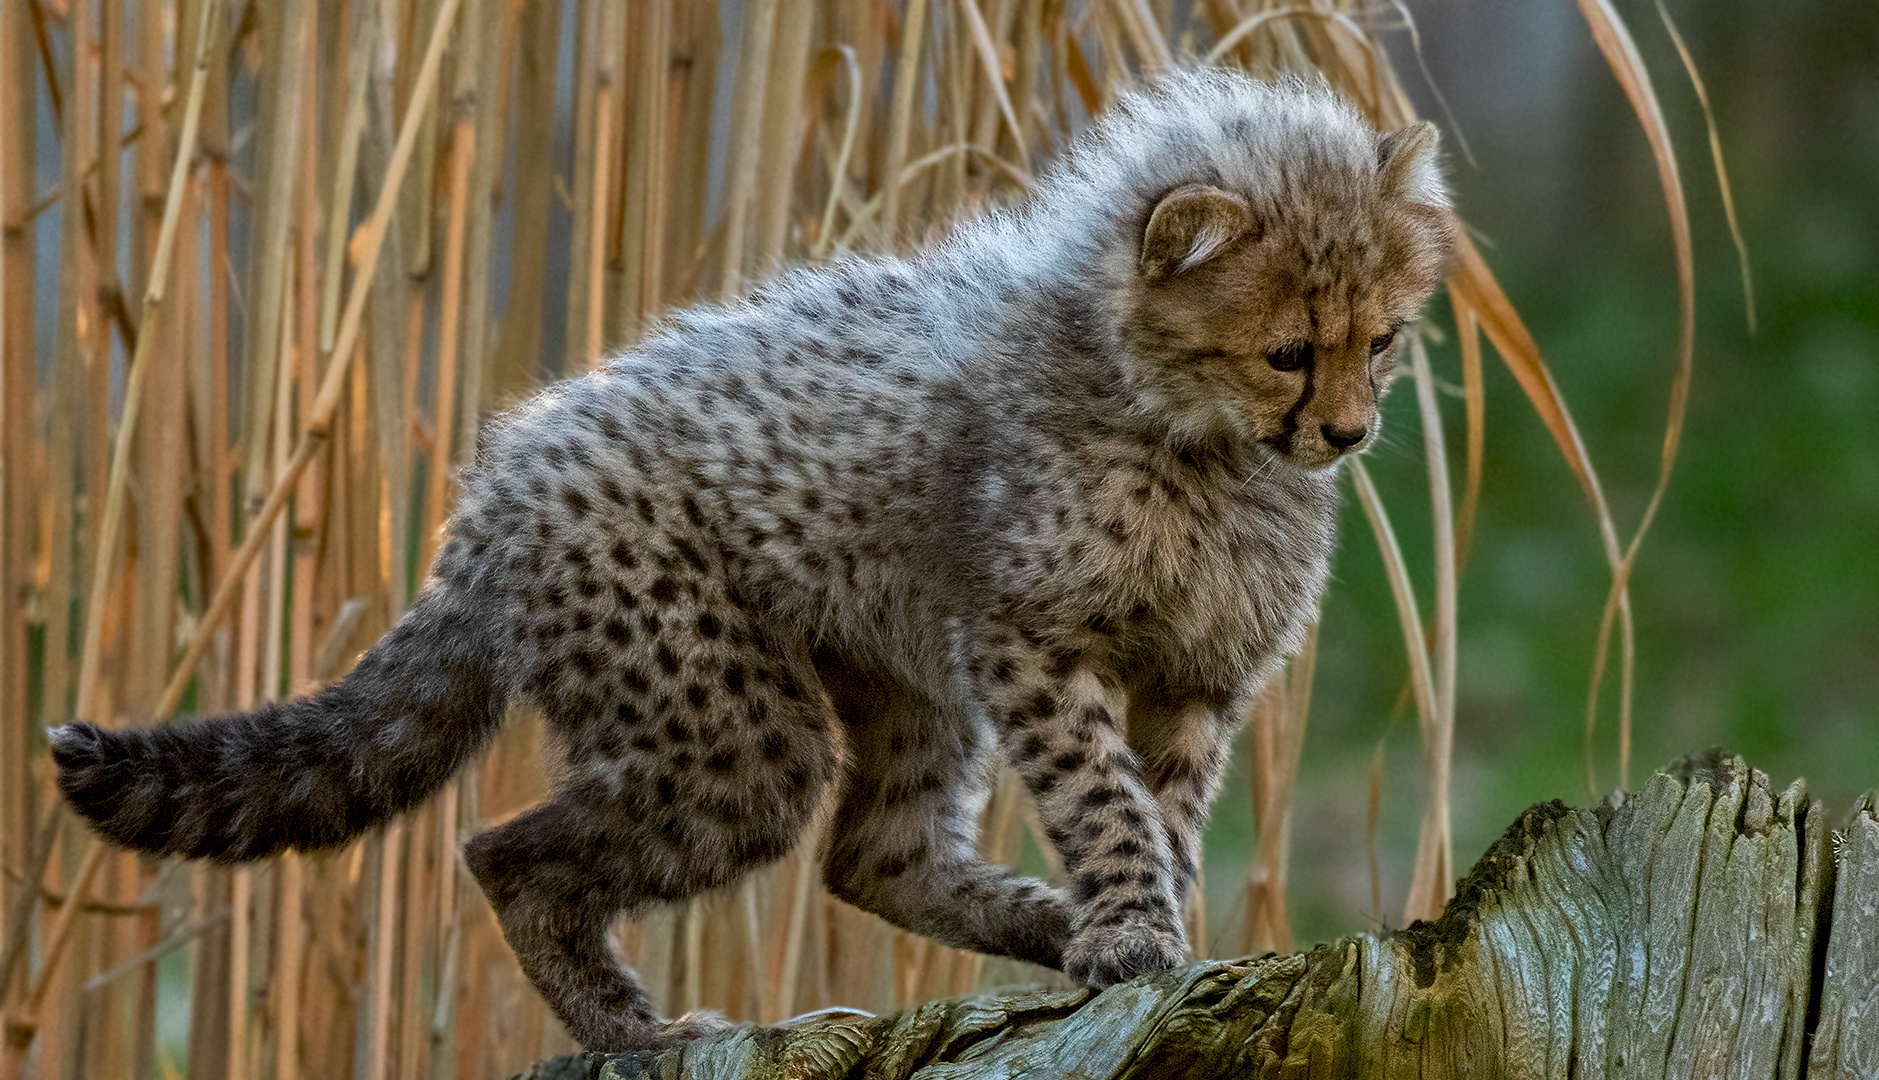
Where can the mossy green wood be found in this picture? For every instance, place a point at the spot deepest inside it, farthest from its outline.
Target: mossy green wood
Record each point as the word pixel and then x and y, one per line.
pixel 1708 926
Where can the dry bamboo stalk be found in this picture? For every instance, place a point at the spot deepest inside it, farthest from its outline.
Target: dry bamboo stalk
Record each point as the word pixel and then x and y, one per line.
pixel 608 79
pixel 22 1021
pixel 384 942
pixel 18 486
pixel 481 46
pixel 586 226
pixel 900 122
pixel 696 44
pixel 642 76
pixel 319 416
pixel 107 175
pixel 207 1049
pixel 133 389
pixel 413 954
pixel 286 972
pixel 803 889
pixel 392 326
pixel 743 158
pixel 339 212
pixel 286 29
pixel 285 995
pixel 414 217
pixel 1439 750
pixel 449 325
pixel 78 324
pixel 953 67
pixel 519 350
pixel 645 227
pixel 309 509
pixel 781 133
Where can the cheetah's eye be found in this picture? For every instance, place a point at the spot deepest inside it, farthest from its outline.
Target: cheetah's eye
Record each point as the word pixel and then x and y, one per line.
pixel 1381 342
pixel 1293 357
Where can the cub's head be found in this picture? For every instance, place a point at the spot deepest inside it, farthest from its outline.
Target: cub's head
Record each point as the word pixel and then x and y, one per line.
pixel 1271 284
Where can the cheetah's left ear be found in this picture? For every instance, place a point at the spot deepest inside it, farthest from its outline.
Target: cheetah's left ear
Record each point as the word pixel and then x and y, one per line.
pixel 1190 225
pixel 1407 165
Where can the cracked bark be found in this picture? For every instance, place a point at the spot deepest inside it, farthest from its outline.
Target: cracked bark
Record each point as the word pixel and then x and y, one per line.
pixel 1708 926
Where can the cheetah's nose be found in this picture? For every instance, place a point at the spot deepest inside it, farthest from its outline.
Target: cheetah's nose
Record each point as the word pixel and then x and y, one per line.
pixel 1343 439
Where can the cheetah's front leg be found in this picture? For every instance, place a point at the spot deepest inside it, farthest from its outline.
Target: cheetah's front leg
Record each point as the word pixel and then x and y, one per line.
pixel 1063 723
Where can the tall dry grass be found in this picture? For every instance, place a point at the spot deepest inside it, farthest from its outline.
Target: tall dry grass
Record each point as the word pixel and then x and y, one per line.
pixel 302 248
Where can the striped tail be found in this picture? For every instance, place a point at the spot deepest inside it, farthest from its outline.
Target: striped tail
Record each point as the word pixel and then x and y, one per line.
pixel 306 774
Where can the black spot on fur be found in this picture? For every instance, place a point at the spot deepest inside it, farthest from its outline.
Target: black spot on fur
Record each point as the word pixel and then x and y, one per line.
pixel 775 747
pixel 1040 705
pixel 690 554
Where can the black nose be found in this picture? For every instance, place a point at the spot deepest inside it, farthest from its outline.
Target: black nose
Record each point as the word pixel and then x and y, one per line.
pixel 1341 439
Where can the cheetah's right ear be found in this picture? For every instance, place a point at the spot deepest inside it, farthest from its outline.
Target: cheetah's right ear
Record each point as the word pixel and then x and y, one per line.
pixel 1190 225
pixel 1406 162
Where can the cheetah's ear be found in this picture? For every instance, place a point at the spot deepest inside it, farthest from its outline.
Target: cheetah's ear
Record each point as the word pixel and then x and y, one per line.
pixel 1407 166
pixel 1192 224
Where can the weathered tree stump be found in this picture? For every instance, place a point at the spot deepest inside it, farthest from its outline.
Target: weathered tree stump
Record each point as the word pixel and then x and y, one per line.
pixel 1708 926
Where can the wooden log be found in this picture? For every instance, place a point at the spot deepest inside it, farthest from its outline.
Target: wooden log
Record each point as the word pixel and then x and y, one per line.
pixel 1707 926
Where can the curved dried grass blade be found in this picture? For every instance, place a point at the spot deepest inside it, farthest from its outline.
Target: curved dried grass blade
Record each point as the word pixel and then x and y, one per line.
pixel 1615 42
pixel 826 61
pixel 1415 44
pixel 988 55
pixel 1722 171
pixel 1429 884
pixel 1474 397
pixel 1246 26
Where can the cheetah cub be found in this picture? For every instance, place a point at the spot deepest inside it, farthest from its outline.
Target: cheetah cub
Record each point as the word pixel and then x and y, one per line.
pixel 1058 491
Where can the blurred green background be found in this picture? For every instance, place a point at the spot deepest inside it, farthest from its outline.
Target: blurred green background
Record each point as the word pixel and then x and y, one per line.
pixel 1757 591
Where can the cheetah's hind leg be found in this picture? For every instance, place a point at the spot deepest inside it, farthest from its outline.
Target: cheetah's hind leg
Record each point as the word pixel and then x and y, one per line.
pixel 669 802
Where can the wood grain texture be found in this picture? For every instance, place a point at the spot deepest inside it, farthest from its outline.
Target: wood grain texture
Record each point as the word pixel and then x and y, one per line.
pixel 1706 927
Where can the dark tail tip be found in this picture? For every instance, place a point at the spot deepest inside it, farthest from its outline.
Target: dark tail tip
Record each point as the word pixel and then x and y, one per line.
pixel 92 778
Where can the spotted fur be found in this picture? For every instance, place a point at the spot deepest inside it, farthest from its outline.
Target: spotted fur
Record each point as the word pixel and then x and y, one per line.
pixel 1054 492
